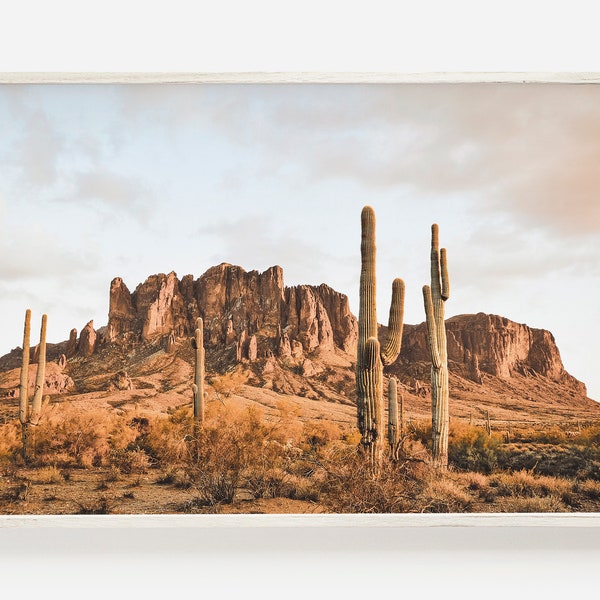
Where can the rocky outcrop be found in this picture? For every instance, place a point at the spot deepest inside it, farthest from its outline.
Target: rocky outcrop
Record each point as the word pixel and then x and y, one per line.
pixel 254 316
pixel 251 300
pixel 87 340
pixel 121 314
pixel 55 381
pixel 121 381
pixel 251 310
pixel 160 307
pixel 494 345
pixel 306 318
pixel 71 347
pixel 58 383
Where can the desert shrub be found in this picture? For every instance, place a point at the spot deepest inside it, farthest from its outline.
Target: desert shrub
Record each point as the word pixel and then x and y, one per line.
pixel 50 474
pixel 287 428
pixel 102 505
pixel 534 504
pixel 551 435
pixel 303 488
pixel 122 433
pixel 352 436
pixel 174 476
pixel 589 488
pixel 134 460
pixel 589 436
pixel 350 486
pixel 73 437
pixel 421 431
pixel 17 493
pixel 169 440
pixel 570 460
pixel 319 433
pixel 474 481
pixel 524 484
pixel 441 494
pixel 472 449
pixel 10 439
pixel 266 483
pixel 280 483
pixel 229 444
pixel 228 383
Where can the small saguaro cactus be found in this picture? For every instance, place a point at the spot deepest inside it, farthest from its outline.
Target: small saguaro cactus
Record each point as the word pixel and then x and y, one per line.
pixel 30 416
pixel 371 358
pixel 395 419
pixel 198 386
pixel 488 424
pixel 434 298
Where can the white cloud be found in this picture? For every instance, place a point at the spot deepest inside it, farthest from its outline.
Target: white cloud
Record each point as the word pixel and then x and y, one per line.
pixel 113 193
pixel 34 254
pixel 38 151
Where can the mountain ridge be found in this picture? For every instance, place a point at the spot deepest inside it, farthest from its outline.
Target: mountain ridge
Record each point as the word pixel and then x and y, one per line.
pixel 301 341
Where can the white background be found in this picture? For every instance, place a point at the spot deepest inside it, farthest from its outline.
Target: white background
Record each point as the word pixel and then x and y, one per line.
pixel 320 36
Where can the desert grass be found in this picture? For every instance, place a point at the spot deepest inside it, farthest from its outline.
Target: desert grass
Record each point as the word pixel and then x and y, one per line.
pixel 242 454
pixel 49 474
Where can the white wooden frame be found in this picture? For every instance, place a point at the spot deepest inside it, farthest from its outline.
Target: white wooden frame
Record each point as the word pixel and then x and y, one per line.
pixel 400 521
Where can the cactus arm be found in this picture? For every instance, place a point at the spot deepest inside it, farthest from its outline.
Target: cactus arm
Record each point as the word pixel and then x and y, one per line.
pixel 24 384
pixel 445 291
pixel 432 341
pixel 195 395
pixel 393 343
pixel 435 262
pixel 36 409
pixel 401 411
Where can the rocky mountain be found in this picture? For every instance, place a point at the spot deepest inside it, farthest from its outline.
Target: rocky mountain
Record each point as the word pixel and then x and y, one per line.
pixel 495 345
pixel 236 306
pixel 300 341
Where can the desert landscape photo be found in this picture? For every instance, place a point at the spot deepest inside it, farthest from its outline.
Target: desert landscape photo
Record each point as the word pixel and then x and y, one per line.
pixel 299 298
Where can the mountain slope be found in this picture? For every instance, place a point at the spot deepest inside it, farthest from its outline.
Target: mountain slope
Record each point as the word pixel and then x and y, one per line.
pixel 272 345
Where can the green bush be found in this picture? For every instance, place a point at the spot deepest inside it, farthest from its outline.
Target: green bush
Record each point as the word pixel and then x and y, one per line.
pixel 472 449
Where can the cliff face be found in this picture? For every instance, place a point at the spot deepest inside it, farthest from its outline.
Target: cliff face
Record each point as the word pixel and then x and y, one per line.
pixel 494 345
pixel 252 316
pixel 235 305
pixel 261 317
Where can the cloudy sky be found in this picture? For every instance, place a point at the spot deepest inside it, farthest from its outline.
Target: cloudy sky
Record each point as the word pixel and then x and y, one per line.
pixel 98 181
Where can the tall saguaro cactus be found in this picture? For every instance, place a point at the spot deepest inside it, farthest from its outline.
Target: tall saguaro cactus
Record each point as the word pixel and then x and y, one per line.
pixel 371 358
pixel 31 415
pixel 198 386
pixel 434 298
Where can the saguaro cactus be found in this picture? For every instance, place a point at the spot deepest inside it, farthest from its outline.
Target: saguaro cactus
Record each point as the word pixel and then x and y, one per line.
pixel 434 298
pixel 371 358
pixel 395 418
pixel 26 416
pixel 198 386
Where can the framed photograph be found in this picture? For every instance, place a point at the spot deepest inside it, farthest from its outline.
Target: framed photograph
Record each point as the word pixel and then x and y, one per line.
pixel 196 280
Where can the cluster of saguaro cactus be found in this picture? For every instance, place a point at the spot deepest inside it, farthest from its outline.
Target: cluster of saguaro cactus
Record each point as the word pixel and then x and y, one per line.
pixel 434 299
pixel 371 358
pixel 198 386
pixel 30 415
